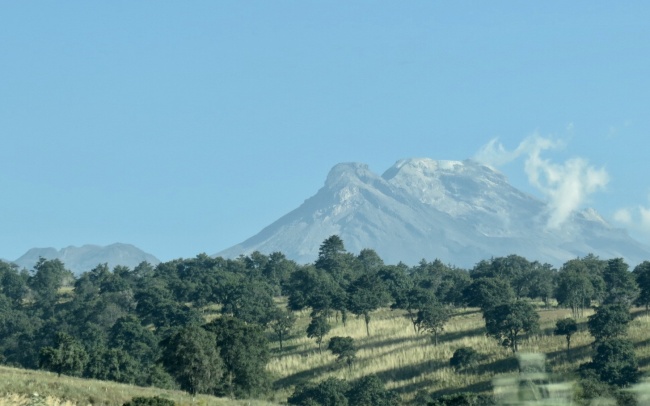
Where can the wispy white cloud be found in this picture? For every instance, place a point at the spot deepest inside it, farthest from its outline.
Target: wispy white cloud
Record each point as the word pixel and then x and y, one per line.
pixel 495 154
pixel 635 219
pixel 567 185
pixel 623 216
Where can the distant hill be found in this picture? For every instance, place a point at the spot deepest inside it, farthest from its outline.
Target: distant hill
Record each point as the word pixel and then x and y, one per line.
pixel 87 257
pixel 458 212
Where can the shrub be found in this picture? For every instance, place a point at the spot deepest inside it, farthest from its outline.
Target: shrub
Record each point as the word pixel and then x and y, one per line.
pixel 463 399
pixel 151 401
pixel 464 357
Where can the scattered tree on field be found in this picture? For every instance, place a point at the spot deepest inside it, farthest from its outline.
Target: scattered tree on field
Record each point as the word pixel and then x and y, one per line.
pixel 566 327
pixel 281 324
pixel 365 295
pixel 575 289
pixel 609 321
pixel 432 318
pixel 343 348
pixel 507 322
pixel 318 328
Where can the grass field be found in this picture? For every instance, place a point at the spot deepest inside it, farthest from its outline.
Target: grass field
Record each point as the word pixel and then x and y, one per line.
pixel 407 362
pixel 26 387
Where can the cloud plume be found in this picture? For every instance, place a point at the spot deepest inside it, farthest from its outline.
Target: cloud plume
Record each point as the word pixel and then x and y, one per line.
pixel 566 185
pixel 636 219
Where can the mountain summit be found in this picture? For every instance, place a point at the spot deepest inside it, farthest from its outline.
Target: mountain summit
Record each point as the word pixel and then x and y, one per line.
pixel 457 211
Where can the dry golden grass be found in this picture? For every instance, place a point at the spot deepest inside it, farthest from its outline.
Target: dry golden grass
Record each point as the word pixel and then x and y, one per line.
pixel 26 387
pixel 409 362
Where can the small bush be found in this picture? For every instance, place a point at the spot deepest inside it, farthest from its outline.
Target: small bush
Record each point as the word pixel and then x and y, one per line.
pixel 463 399
pixel 464 357
pixel 151 401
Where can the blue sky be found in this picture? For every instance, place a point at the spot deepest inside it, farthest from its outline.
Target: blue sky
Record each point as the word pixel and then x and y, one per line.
pixel 186 127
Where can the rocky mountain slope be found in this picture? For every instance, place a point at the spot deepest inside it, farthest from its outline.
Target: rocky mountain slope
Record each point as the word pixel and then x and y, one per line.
pixel 458 212
pixel 86 257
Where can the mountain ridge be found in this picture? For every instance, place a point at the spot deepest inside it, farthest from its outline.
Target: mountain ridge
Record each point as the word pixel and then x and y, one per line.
pixel 457 211
pixel 86 257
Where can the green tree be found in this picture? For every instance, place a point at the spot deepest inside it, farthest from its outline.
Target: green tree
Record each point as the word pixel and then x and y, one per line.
pixel 575 288
pixel 313 288
pixel 244 349
pixel 281 324
pixel 507 322
pixel 609 321
pixel 330 392
pixel 115 364
pixel 488 292
pixel 344 349
pixel 157 306
pixel 432 318
pixel 397 283
pixel 13 284
pixel 595 269
pixel 190 355
pixel 67 357
pixel 48 278
pixel 138 341
pixel 250 301
pixel 366 294
pixel 336 261
pixel 642 275
pixel 369 391
pixel 514 269
pixel 542 278
pixel 620 283
pixel 566 327
pixel 318 328
pixel 277 272
pixel 370 261
pixel 614 362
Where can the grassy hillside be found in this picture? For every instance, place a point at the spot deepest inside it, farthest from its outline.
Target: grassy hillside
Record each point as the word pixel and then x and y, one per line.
pixel 405 361
pixel 409 362
pixel 25 387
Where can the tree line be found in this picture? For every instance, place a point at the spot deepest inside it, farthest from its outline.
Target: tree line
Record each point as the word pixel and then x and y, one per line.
pixel 153 325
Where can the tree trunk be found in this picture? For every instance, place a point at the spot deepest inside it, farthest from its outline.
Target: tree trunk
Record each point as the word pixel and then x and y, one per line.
pixel 366 318
pixel 412 318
